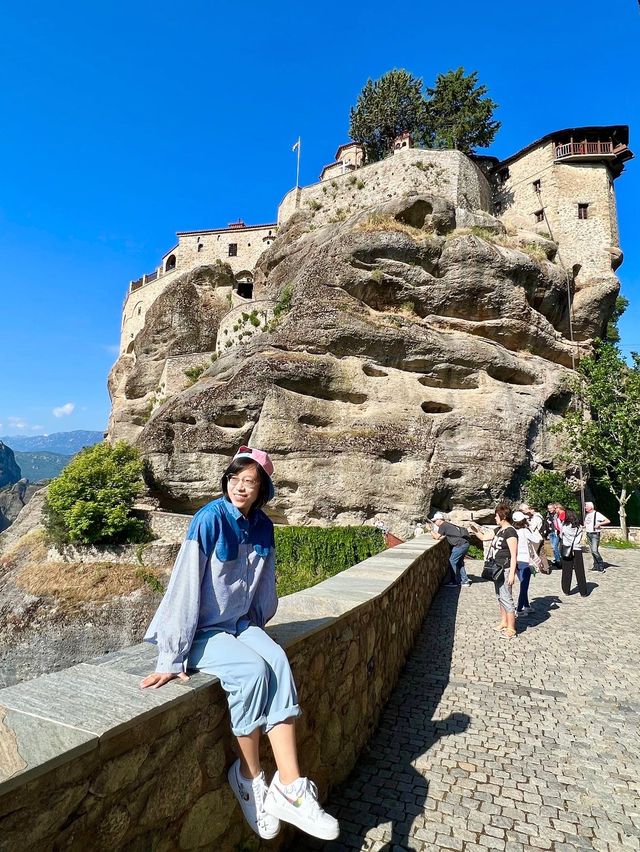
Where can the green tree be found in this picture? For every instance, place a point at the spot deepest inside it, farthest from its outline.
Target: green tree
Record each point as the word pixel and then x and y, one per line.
pixel 460 114
pixel 90 502
pixel 603 435
pixel 549 486
pixel 386 107
pixel 621 305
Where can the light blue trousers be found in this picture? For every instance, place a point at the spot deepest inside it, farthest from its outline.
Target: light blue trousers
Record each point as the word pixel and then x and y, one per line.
pixel 254 672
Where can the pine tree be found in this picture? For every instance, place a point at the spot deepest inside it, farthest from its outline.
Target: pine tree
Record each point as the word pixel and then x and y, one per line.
pixel 387 107
pixel 460 114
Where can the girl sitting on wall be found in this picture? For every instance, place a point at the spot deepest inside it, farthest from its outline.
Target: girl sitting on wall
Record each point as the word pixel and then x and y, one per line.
pixel 221 594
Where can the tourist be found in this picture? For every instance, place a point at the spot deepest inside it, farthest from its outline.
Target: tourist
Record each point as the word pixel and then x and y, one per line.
pixel 458 539
pixel 593 523
pixel 550 531
pixel 221 593
pixel 523 566
pixel 571 552
pixel 536 525
pixel 504 550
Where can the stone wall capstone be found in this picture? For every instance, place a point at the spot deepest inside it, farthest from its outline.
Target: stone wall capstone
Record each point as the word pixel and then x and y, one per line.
pixel 90 761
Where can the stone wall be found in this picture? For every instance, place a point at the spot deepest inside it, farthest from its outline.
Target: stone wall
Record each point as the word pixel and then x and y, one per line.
pixel 610 532
pixel 89 761
pixel 563 186
pixel 198 248
pixel 448 174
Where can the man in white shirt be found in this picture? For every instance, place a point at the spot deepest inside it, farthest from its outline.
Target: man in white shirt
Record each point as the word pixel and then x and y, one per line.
pixel 593 522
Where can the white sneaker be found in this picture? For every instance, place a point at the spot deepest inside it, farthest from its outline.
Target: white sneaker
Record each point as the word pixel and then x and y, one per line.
pixel 297 803
pixel 251 796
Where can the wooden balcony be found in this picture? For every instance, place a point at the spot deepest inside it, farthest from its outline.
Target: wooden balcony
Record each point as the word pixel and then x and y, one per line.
pixel 592 150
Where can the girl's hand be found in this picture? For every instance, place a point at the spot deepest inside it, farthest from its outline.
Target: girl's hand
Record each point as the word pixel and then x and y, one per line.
pixel 159 679
pixel 511 579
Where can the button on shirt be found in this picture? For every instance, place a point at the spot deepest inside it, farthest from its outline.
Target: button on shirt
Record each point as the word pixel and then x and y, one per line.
pixel 223 579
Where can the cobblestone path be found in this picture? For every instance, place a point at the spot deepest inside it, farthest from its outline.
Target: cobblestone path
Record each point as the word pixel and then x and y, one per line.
pixel 530 743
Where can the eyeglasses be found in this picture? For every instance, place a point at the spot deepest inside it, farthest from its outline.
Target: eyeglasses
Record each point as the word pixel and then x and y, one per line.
pixel 236 481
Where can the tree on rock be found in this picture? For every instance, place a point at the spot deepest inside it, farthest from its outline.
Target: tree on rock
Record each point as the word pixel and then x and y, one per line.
pixel 550 486
pixel 460 114
pixel 90 502
pixel 604 435
pixel 387 107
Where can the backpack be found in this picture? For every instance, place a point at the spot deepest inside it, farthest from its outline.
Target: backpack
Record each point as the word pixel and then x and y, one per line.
pixel 463 531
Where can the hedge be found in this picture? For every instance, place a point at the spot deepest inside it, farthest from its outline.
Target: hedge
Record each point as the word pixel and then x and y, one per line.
pixel 307 555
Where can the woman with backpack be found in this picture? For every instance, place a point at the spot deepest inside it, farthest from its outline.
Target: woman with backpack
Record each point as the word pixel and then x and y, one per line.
pixel 504 552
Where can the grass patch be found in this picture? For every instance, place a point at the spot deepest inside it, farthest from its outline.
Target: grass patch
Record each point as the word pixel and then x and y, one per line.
pixel 75 583
pixel 388 223
pixel 306 556
pixel 619 544
pixel 194 373
pixel 475 552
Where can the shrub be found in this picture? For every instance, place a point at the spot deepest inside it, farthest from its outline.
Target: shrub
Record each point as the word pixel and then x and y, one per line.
pixel 283 304
pixel 360 184
pixel 475 552
pixel 314 205
pixel 90 502
pixel 194 373
pixel 307 555
pixel 254 319
pixel 550 486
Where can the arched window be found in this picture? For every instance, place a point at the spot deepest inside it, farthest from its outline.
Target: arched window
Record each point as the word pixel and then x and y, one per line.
pixel 244 286
pixel 171 263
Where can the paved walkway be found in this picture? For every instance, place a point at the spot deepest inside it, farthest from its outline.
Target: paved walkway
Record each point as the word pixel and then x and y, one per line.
pixel 532 743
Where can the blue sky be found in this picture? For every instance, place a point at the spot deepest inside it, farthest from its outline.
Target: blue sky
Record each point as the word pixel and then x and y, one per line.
pixel 123 123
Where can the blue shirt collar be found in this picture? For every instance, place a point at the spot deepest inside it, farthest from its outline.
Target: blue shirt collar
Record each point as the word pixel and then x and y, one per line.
pixel 237 515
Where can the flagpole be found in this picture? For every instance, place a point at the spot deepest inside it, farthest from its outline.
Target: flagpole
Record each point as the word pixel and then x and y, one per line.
pixel 298 166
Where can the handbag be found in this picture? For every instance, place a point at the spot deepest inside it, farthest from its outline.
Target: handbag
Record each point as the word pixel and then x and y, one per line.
pixel 534 558
pixel 492 571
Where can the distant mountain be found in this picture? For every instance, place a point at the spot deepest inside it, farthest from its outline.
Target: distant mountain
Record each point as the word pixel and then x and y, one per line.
pixel 38 466
pixel 64 443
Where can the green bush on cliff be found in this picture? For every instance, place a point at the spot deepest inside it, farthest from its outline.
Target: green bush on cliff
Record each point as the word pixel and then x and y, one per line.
pixel 90 502
pixel 307 555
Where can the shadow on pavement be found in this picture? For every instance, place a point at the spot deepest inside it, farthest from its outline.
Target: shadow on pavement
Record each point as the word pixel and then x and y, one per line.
pixel 384 793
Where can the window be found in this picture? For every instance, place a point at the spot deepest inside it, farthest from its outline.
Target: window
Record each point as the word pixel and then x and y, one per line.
pixel 539 214
pixel 233 249
pixel 171 263
pixel 200 246
pixel 537 185
pixel 583 211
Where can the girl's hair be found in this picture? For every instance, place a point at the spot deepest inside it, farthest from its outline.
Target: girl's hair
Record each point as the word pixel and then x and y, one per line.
pixel 504 512
pixel 520 525
pixel 571 518
pixel 238 465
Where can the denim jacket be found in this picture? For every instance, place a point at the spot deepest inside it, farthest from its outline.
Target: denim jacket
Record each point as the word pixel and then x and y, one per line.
pixel 223 579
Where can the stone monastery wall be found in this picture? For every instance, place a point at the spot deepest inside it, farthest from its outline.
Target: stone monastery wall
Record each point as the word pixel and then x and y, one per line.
pixel 92 762
pixel 562 187
pixel 449 174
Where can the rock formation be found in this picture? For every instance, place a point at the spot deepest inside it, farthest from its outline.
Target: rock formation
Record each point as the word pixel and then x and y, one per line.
pixel 9 469
pixel 13 500
pixel 413 364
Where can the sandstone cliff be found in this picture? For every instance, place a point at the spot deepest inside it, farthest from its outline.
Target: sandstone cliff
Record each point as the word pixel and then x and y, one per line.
pixel 9 469
pixel 413 364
